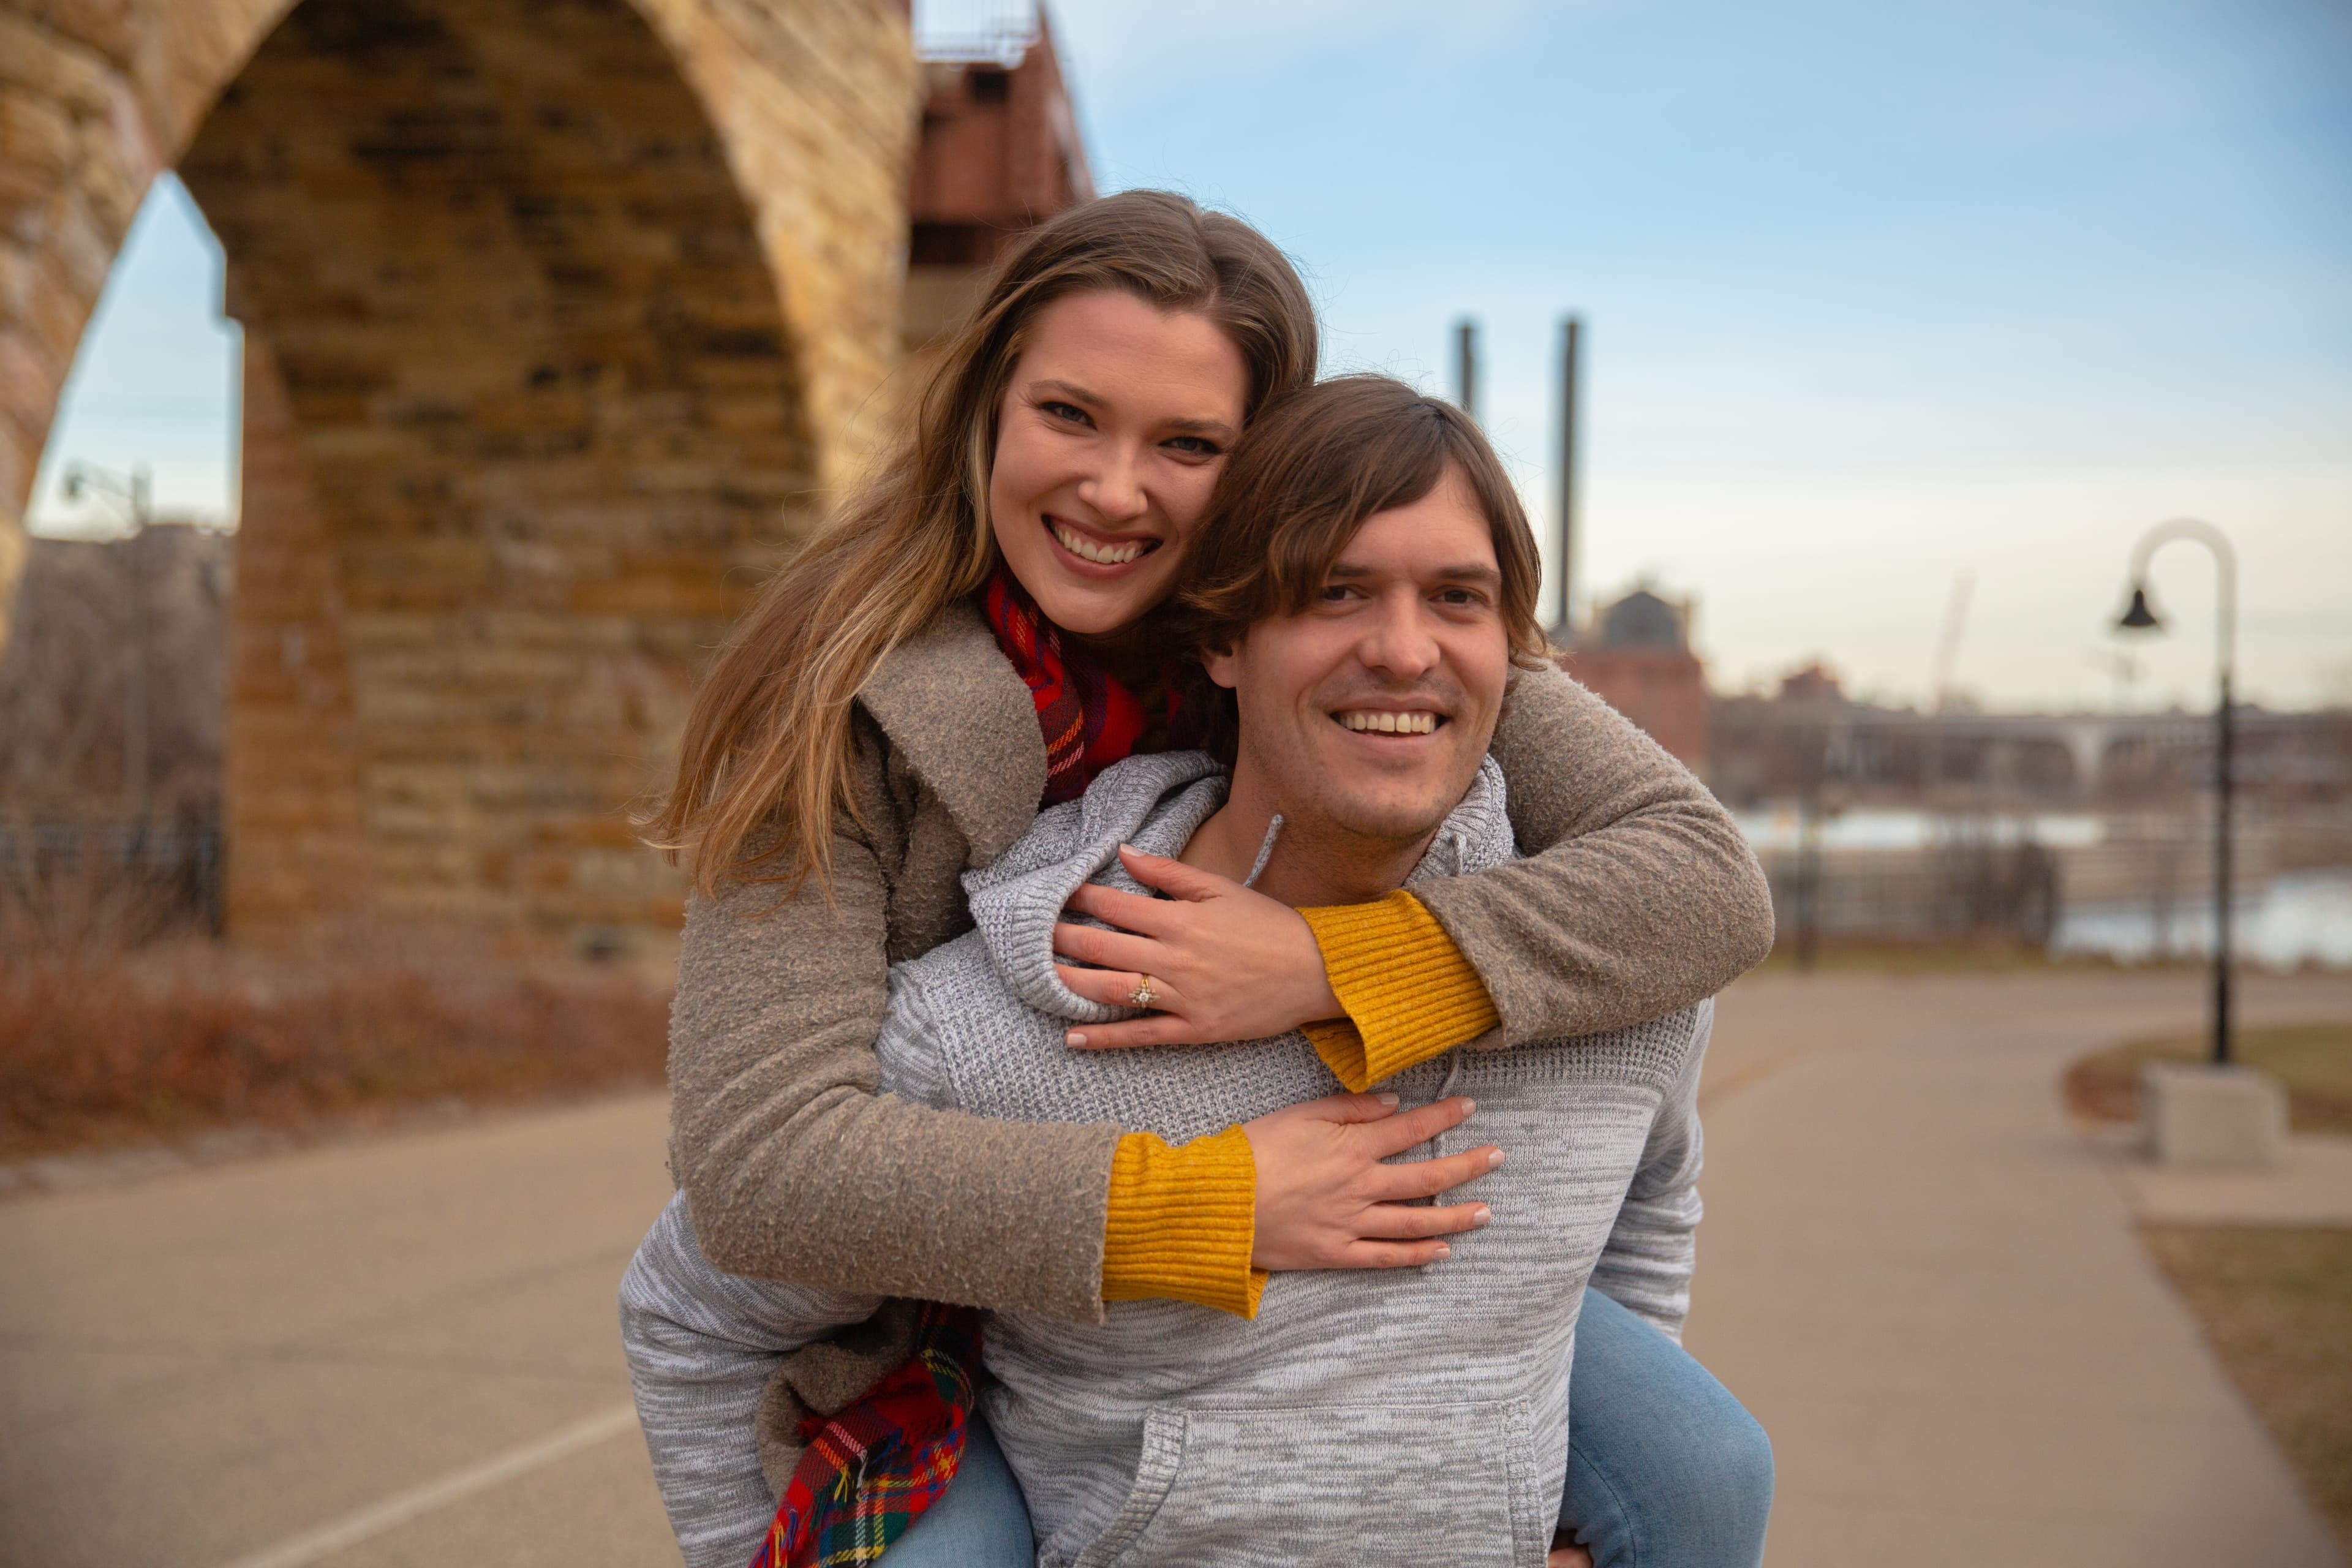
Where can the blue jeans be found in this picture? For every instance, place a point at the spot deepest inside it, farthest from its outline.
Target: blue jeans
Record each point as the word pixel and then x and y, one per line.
pixel 1665 1470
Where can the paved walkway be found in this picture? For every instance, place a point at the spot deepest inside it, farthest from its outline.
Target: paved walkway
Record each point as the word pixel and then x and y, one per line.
pixel 2313 1187
pixel 394 1353
pixel 403 1351
pixel 1926 1284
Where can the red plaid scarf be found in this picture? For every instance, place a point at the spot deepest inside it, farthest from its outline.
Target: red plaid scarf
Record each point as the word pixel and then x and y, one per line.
pixel 1091 719
pixel 869 1472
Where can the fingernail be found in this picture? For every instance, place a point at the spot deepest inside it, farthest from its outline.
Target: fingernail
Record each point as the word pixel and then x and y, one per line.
pixel 1388 1100
pixel 1074 1038
pixel 1444 1250
pixel 1469 1106
pixel 1482 1217
pixel 1494 1159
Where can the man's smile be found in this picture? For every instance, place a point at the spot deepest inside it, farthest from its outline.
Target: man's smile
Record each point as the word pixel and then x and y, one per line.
pixel 1371 720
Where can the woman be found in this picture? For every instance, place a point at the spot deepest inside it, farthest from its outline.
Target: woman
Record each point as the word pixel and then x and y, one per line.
pixel 971 641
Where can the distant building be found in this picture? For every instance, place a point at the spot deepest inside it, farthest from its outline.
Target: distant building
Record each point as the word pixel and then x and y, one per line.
pixel 1638 657
pixel 1000 152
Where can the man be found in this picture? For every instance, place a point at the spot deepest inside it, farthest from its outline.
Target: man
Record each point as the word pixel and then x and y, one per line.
pixel 1361 596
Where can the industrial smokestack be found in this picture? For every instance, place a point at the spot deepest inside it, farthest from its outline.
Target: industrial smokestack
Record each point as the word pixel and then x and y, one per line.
pixel 1563 631
pixel 1466 367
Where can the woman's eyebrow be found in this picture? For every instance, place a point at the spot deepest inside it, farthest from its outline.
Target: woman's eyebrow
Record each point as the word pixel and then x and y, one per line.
pixel 1216 427
pixel 1069 390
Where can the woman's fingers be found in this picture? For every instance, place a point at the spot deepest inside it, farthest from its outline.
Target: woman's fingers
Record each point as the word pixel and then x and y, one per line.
pixel 1128 911
pixel 1153 1029
pixel 1427 1178
pixel 1399 1133
pixel 1175 877
pixel 1106 949
pixel 1404 1222
pixel 1390 1254
pixel 1117 986
pixel 1346 1108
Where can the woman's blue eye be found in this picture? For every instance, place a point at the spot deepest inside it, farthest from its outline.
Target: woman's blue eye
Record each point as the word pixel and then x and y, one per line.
pixel 1070 412
pixel 1196 446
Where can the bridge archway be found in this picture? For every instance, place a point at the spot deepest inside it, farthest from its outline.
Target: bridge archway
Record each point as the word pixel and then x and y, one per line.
pixel 561 317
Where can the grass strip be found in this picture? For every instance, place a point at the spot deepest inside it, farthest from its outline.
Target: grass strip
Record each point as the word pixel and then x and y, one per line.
pixel 2276 1306
pixel 2314 1060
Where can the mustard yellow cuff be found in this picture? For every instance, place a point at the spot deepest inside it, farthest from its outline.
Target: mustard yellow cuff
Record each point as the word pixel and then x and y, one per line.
pixel 1409 992
pixel 1183 1222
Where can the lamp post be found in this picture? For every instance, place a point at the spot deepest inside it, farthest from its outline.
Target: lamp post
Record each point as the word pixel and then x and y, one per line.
pixel 2139 616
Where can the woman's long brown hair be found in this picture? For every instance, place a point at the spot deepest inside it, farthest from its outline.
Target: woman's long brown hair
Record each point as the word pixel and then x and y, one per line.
pixel 764 767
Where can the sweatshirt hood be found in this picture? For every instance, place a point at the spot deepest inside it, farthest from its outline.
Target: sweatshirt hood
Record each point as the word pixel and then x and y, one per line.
pixel 1155 803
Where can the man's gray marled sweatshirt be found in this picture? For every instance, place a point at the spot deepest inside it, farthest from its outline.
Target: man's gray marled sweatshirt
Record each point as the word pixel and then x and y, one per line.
pixel 1403 1416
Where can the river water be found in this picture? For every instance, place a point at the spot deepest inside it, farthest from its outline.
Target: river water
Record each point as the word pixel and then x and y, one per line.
pixel 2296 919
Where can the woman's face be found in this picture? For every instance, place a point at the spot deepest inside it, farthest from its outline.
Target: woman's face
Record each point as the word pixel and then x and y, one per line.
pixel 1113 429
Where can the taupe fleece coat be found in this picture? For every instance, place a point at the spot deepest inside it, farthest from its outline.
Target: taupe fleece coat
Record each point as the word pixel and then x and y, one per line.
pixel 1639 897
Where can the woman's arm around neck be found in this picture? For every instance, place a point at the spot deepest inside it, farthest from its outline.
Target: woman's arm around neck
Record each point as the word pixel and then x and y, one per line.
pixel 1639 896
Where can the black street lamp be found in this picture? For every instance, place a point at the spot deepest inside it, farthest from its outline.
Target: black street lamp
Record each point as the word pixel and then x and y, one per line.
pixel 2141 617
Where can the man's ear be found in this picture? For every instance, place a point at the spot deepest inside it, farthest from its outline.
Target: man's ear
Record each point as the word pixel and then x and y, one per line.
pixel 1223 665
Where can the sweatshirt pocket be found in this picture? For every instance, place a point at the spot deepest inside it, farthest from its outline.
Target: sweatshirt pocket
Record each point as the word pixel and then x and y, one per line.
pixel 1354 1486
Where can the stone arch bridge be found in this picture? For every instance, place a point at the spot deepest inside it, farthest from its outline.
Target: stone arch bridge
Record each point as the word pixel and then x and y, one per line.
pixel 561 317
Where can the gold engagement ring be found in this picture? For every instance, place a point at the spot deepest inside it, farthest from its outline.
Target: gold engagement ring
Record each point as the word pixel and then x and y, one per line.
pixel 1143 995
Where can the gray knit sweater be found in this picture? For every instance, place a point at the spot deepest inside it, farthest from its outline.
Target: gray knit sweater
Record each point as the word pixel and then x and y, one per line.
pixel 1168 1434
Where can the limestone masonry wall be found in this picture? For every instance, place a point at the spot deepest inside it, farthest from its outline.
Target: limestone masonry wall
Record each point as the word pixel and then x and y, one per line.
pixel 563 319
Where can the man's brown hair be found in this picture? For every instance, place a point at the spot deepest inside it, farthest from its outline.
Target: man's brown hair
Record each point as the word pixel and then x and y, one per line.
pixel 1307 473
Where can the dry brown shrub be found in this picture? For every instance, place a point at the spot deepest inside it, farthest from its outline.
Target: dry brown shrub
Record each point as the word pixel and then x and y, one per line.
pixel 101 1047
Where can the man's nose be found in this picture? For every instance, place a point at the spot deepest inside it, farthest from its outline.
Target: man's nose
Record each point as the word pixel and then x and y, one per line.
pixel 1397 640
pixel 1115 489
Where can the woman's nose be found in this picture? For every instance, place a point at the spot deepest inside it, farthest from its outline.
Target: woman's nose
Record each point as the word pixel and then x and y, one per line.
pixel 1115 489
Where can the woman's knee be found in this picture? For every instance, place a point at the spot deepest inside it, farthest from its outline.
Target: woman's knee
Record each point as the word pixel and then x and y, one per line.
pixel 1736 1458
pixel 1669 1469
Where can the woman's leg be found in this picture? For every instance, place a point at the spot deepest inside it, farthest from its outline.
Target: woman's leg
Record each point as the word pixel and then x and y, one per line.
pixel 982 1521
pixel 1665 1470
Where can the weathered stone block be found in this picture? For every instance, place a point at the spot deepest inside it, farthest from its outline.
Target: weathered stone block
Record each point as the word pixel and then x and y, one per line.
pixel 2220 1118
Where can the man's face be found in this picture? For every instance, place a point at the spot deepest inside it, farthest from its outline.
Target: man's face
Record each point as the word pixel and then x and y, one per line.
pixel 1371 708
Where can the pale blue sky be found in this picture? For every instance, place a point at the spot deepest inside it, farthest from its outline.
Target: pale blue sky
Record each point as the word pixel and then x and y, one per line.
pixel 1875 295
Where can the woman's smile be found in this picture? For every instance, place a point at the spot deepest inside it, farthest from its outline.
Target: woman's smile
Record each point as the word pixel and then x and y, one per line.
pixel 1090 547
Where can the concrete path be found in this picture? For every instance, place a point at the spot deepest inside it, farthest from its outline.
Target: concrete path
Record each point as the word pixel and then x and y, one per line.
pixel 1926 1284
pixel 2313 1187
pixel 403 1351
pixel 392 1352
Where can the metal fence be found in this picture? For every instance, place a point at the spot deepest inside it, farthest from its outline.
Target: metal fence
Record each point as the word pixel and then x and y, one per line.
pixel 140 880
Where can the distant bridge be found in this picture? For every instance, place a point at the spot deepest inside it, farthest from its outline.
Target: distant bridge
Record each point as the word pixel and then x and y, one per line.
pixel 1998 748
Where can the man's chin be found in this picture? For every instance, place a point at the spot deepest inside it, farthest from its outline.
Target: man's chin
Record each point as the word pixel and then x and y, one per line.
pixel 1391 818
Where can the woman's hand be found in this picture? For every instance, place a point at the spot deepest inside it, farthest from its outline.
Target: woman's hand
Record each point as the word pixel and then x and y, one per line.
pixel 1326 1201
pixel 1225 963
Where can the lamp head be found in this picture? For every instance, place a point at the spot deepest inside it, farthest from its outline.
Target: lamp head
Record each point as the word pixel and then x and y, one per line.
pixel 2139 617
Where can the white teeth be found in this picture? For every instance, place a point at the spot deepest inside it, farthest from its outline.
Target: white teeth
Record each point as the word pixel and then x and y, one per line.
pixel 1086 549
pixel 1387 723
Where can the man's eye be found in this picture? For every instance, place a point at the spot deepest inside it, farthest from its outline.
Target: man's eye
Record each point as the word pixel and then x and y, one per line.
pixel 1335 591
